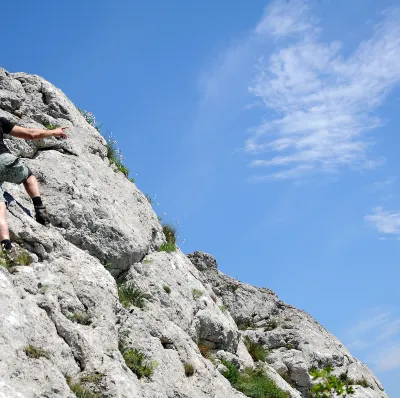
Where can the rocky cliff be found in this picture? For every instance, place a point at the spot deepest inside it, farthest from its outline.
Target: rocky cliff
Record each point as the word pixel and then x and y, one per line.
pixel 63 329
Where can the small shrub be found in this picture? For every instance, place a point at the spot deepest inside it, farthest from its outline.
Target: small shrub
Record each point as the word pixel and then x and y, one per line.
pixel 167 247
pixel 138 362
pixel 36 352
pixel 159 218
pixel 189 369
pixel 129 295
pixel 252 382
pixel 115 156
pixel 246 325
pixel 49 126
pixel 80 390
pixel 90 118
pixel 196 293
pixel 223 308
pixel 132 180
pixel 362 382
pixel 147 261
pixel 81 317
pixel 256 350
pixel 205 350
pixel 5 259
pixel 232 373
pixel 167 289
pixel 93 378
pixel 328 384
pixel 233 288
pixel 272 324
pixel 289 346
pixel 23 258
pixel 148 197
pixel 170 233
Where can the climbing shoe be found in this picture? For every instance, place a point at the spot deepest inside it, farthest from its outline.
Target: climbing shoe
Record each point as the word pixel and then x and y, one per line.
pixel 41 215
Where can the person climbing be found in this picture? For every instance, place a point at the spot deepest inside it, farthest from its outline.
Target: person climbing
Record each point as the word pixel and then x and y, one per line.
pixel 13 170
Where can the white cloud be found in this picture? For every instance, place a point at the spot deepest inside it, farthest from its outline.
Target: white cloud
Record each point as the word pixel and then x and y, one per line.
pixel 386 222
pixel 324 103
pixel 278 22
pixel 379 336
pixel 387 359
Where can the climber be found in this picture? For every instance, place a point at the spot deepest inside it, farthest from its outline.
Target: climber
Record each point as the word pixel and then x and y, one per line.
pixel 12 169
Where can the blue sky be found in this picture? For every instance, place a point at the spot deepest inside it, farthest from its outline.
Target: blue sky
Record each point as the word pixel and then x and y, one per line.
pixel 266 131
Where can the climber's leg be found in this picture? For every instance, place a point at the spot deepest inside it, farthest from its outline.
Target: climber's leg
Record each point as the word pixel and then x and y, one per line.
pixel 4 234
pixel 32 188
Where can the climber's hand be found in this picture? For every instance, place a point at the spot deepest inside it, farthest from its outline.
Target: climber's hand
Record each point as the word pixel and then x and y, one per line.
pixel 59 132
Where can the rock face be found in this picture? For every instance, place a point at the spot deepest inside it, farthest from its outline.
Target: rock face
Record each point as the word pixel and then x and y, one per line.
pixel 65 305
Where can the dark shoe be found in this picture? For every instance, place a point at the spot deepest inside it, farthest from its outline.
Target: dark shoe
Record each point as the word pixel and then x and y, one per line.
pixel 41 215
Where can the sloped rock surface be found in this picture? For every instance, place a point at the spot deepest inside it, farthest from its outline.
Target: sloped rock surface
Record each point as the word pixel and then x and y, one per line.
pixel 294 340
pixel 103 231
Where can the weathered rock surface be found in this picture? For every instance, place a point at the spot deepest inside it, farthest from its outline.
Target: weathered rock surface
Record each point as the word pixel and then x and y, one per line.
pixel 104 230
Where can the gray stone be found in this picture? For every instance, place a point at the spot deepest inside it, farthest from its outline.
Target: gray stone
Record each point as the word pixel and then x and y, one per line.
pixel 104 230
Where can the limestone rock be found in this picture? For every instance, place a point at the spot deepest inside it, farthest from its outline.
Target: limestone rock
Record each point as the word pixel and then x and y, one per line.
pixel 62 319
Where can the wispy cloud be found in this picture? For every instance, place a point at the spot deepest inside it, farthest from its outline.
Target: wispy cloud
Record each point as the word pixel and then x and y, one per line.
pixel 386 222
pixel 379 335
pixel 322 103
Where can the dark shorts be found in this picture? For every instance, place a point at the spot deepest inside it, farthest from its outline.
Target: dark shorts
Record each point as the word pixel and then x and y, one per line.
pixel 12 169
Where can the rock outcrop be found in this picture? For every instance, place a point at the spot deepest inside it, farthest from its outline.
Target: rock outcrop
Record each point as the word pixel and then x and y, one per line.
pixel 63 326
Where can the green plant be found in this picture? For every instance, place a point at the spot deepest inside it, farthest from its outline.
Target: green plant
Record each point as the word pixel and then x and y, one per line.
pixel 256 350
pixel 35 352
pixel 329 384
pixel 189 369
pixel 289 346
pixel 115 156
pixel 272 324
pixel 148 197
pixel 23 258
pixel 159 218
pixel 147 261
pixel 93 378
pixel 223 308
pixel 361 382
pixel 132 180
pixel 170 233
pixel 50 126
pixel 167 247
pixel 205 350
pixel 137 362
pixel 167 289
pixel 91 119
pixel 129 295
pixel 80 390
pixel 5 259
pixel 81 317
pixel 246 324
pixel 196 293
pixel 252 382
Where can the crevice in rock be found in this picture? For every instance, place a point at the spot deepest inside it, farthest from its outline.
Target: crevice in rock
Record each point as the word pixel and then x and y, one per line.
pixel 60 333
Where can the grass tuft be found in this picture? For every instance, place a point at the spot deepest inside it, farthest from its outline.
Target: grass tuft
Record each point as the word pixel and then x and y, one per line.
pixel 129 295
pixel 167 289
pixel 167 247
pixel 252 382
pixel 137 361
pixel 189 369
pixel 36 352
pixel 80 390
pixel 81 317
pixel 50 126
pixel 196 293
pixel 256 350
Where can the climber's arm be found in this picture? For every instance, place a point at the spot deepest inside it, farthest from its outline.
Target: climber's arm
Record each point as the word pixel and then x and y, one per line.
pixel 37 134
